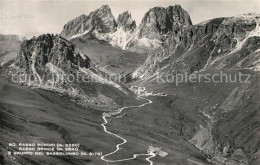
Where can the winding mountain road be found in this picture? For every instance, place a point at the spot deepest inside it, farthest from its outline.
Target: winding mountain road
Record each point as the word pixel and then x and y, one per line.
pixel 105 115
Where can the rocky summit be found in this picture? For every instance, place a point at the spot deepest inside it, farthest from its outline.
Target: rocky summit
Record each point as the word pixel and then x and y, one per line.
pixel 223 43
pixel 100 20
pixel 124 33
pixel 49 49
pixel 125 21
pixel 53 63
pixel 159 21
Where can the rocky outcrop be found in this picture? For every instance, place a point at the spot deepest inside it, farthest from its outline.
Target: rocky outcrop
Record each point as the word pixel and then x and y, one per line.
pixel 126 22
pixel 124 33
pixel 100 20
pixel 168 57
pixel 227 45
pixel 53 63
pixel 50 49
pixel 156 25
pixel 230 43
pixel 158 21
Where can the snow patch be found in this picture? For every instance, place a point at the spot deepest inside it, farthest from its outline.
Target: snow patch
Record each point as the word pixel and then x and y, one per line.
pixel 240 43
pixel 33 58
pixel 102 36
pixel 149 43
pixel 78 35
pixel 255 32
pixel 54 69
pixel 99 78
pixel 81 54
pixel 257 51
pixel 123 38
pixel 119 38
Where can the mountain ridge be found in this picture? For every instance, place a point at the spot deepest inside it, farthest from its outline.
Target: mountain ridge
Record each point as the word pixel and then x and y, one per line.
pixel 209 44
pixel 52 63
pixel 133 35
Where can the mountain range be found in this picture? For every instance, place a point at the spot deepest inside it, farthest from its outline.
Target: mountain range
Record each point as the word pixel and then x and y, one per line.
pixel 10 45
pixel 124 33
pixel 194 122
pixel 222 42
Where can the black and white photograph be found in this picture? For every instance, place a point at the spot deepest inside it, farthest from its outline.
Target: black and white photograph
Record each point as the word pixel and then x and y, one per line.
pixel 129 82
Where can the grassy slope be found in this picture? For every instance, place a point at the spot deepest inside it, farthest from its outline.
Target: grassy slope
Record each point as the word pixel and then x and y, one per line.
pixel 41 116
pixel 30 116
pixel 110 59
pixel 238 127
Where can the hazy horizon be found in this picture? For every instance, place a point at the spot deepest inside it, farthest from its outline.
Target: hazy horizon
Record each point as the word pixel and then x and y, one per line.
pixel 29 18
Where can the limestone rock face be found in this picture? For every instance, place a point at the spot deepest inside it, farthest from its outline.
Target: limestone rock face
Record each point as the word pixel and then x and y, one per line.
pixel 125 21
pixel 100 20
pixel 158 21
pixel 124 33
pixel 222 43
pixel 39 51
pixel 53 63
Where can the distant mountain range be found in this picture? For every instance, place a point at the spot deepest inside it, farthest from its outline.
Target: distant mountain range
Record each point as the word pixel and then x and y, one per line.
pixel 230 43
pixel 220 43
pixel 10 45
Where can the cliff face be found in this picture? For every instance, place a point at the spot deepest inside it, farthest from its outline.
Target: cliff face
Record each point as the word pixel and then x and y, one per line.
pixel 124 33
pixel 158 21
pixel 230 43
pixel 182 47
pixel 50 49
pixel 54 63
pixel 125 21
pixel 100 20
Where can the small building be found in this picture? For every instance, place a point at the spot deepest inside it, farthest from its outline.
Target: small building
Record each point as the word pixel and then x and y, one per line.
pixel 106 114
pixel 156 151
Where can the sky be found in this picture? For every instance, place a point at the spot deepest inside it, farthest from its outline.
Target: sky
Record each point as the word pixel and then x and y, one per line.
pixel 35 17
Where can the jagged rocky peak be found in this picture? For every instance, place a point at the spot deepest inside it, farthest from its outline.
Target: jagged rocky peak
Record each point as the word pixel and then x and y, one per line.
pixel 100 20
pixel 40 52
pixel 222 43
pixel 54 63
pixel 125 21
pixel 159 20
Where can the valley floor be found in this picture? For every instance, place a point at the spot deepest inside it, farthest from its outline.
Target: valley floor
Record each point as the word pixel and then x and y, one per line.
pixel 39 116
pixel 180 123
